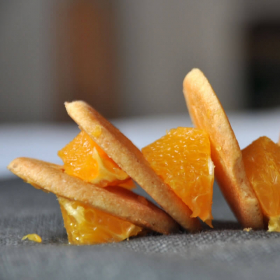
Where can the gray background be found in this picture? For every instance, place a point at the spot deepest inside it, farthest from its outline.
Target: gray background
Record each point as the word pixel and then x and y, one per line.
pixel 157 43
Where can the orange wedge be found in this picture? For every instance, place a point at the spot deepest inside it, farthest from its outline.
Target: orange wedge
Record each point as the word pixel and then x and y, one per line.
pixel 84 159
pixel 86 225
pixel 182 158
pixel 262 164
pixel 208 114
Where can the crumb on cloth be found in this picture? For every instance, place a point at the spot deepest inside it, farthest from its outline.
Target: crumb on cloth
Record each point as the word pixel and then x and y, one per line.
pixel 32 237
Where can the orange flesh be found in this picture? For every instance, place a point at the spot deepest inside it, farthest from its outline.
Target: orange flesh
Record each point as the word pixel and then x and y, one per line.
pixel 182 158
pixel 262 165
pixel 84 159
pixel 33 237
pixel 86 225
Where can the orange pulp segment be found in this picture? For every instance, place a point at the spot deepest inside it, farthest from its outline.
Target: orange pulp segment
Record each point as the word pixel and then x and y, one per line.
pixel 33 237
pixel 262 165
pixel 84 159
pixel 86 225
pixel 183 159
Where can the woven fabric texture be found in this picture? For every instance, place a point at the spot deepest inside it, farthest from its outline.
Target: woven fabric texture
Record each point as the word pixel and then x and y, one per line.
pixel 225 252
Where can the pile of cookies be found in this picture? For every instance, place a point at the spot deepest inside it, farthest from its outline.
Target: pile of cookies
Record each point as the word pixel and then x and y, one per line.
pixel 106 210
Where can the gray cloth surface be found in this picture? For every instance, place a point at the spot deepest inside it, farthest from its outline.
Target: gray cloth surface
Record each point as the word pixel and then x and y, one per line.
pixel 225 252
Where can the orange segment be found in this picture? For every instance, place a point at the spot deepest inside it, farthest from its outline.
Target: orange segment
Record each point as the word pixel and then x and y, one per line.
pixel 182 158
pixel 86 225
pixel 262 165
pixel 84 159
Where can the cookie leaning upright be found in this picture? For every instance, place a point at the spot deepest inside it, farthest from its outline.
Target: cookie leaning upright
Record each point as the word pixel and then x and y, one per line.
pixel 130 159
pixel 207 113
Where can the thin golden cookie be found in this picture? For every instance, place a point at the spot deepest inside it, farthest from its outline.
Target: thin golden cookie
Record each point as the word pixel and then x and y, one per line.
pixel 207 113
pixel 130 159
pixel 115 201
